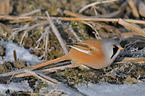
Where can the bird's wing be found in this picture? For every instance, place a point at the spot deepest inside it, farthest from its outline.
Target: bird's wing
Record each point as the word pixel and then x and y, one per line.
pixel 82 48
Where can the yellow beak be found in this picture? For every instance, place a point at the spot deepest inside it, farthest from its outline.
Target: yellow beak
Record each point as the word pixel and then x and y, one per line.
pixel 121 48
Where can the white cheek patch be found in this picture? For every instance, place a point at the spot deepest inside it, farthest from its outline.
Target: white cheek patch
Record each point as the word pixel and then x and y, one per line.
pixel 82 50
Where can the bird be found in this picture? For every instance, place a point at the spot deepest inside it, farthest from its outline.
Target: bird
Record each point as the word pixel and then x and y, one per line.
pixel 95 53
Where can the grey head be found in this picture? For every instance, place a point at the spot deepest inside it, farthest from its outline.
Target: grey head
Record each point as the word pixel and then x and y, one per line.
pixel 110 49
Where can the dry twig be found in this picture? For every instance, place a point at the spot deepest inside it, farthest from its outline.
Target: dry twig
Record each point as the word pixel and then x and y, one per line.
pixel 30 28
pixel 46 42
pixel 133 7
pixel 69 19
pixel 31 13
pixel 17 30
pixel 42 77
pixel 95 3
pixel 57 34
pixel 131 27
pixel 134 60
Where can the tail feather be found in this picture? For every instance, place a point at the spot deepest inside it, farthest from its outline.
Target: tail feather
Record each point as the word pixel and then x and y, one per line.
pixel 65 57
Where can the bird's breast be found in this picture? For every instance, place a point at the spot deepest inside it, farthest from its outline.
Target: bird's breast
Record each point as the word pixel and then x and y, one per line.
pixel 95 60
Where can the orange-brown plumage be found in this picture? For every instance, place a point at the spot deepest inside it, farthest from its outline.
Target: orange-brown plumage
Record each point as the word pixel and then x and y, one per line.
pixel 93 53
pixel 94 60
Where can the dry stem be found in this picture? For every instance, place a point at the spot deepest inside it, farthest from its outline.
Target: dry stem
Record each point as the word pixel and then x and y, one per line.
pixel 69 19
pixel 57 34
pixel 95 3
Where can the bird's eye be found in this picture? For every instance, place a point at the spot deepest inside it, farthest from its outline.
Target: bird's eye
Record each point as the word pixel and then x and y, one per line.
pixel 114 46
pixel 115 49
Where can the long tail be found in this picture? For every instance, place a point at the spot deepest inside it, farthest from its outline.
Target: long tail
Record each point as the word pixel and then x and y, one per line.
pixel 65 57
